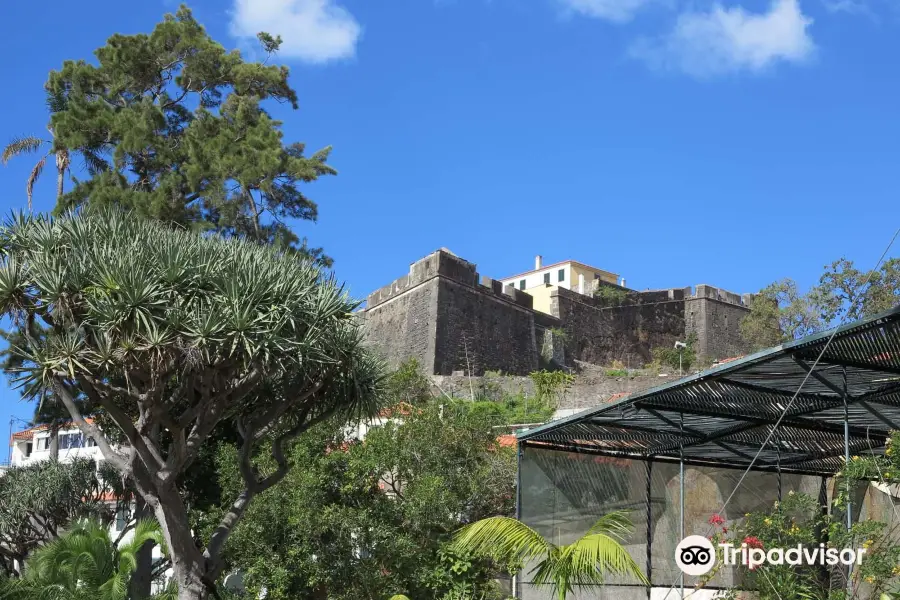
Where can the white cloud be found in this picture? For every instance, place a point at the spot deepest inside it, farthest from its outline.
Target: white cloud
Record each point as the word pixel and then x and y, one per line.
pixel 617 11
pixel 315 31
pixel 731 39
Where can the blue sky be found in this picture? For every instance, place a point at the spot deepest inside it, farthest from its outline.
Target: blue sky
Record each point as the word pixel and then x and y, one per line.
pixel 675 142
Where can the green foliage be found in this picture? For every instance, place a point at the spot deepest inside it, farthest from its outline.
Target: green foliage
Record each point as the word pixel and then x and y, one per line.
pixel 166 330
pixel 665 356
pixel 799 519
pixel 37 502
pixel 559 334
pixel 780 313
pixel 373 519
pixel 616 372
pixel 82 564
pixel 586 561
pixel 513 409
pixel 173 126
pixel 549 386
pixel 408 384
pixel 609 296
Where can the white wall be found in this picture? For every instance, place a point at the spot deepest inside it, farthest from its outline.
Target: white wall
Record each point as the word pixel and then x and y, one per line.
pixel 537 278
pixel 18 458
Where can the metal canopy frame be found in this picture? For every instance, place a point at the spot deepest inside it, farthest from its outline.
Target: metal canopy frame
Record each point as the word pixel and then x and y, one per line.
pixel 723 416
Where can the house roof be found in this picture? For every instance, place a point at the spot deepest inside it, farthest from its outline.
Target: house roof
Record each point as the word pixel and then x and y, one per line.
pixel 562 262
pixel 748 411
pixel 28 434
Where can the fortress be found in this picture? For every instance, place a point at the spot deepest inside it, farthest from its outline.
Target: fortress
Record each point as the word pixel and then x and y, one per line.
pixel 451 319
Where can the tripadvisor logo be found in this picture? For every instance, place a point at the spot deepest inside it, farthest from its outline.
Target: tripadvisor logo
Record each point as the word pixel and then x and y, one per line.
pixel 696 555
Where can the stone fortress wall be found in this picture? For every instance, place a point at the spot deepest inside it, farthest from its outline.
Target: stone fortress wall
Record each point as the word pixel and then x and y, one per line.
pixel 451 319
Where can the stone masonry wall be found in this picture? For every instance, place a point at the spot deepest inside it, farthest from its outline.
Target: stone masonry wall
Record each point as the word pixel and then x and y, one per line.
pixel 404 327
pixel 601 335
pixel 450 319
pixel 715 316
pixel 478 332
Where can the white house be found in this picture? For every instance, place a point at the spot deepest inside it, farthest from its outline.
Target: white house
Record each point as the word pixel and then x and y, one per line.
pixel 568 274
pixel 31 446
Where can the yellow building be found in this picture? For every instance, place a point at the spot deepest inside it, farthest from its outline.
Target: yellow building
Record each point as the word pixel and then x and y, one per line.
pixel 568 274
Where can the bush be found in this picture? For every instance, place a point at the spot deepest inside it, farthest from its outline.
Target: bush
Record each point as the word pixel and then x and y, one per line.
pixel 665 356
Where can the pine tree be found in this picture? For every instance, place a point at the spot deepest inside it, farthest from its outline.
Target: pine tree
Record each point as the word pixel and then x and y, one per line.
pixel 172 126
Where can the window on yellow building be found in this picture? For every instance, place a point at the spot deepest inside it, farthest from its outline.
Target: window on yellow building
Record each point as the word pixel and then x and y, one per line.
pixel 562 275
pixel 546 277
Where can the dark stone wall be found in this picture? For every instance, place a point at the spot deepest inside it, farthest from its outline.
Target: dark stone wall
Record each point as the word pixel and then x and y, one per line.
pixel 717 325
pixel 478 332
pixel 404 327
pixel 442 311
pixel 625 333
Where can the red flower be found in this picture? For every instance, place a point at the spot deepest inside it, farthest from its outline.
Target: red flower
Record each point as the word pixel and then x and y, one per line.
pixel 724 530
pixel 716 520
pixel 753 541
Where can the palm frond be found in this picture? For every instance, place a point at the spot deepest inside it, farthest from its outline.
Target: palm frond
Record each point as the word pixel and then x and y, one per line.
pixel 615 524
pixel 502 538
pixel 21 145
pixel 592 557
pixel 32 179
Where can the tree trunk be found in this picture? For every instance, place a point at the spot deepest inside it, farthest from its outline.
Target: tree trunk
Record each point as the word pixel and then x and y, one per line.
pixel 54 443
pixel 140 586
pixel 188 563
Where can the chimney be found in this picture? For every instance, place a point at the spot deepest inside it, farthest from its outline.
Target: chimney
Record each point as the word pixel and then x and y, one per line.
pixel 623 282
pixel 538 262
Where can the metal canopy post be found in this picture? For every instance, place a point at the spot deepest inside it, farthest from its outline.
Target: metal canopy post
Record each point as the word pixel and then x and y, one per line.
pixel 681 488
pixel 519 451
pixel 778 455
pixel 849 507
pixel 649 527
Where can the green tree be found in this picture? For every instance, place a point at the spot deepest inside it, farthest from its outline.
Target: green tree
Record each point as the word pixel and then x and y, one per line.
pixel 48 411
pixel 169 334
pixel 173 126
pixel 38 502
pixel 780 313
pixel 586 561
pixel 85 563
pixel 366 520
pixel 843 293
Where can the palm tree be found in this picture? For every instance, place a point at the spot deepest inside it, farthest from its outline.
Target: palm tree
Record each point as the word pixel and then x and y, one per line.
pixel 586 561
pixel 83 564
pixel 30 144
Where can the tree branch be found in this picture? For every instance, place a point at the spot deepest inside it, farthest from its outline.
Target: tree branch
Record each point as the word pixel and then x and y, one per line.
pixel 89 429
pixel 146 449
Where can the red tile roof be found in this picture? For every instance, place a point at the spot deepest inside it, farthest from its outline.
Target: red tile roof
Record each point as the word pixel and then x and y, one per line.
pixel 728 360
pixel 507 441
pixel 403 409
pixel 28 434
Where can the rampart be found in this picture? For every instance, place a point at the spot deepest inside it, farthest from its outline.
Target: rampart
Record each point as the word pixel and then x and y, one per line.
pixel 451 319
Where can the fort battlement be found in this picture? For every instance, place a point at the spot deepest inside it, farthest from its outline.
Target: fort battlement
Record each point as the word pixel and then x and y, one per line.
pixel 451 318
pixel 443 263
